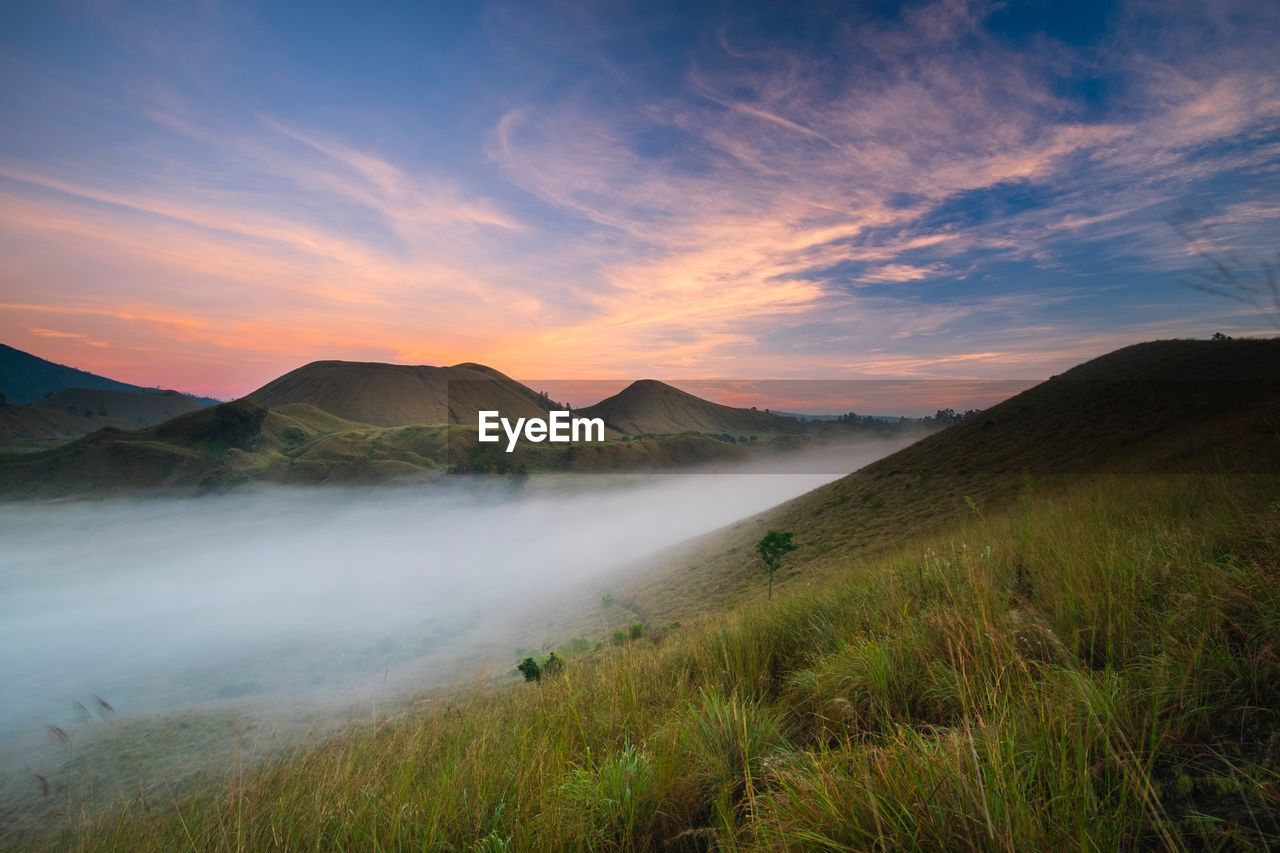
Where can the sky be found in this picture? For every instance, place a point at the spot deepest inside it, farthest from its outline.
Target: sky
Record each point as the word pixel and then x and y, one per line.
pixel 207 195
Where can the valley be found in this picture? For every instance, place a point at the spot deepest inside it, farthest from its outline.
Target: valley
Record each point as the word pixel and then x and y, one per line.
pixel 952 547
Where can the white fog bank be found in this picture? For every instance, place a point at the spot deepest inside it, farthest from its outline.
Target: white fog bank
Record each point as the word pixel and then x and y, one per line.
pixel 283 593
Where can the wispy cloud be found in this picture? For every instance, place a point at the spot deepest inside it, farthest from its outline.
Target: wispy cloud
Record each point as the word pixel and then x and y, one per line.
pixel 926 194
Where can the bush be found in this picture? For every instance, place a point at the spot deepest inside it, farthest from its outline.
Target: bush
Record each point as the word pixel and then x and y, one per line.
pixel 530 670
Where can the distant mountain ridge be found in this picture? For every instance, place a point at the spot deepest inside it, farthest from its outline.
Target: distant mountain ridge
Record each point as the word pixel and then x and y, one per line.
pixel 1168 405
pixel 650 407
pixel 26 379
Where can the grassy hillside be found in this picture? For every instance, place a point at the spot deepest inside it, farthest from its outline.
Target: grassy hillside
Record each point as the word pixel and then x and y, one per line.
pixel 1056 630
pixel 238 443
pixel 655 408
pixel 1161 407
pixel 138 409
pixel 391 395
pixel 75 412
pixel 28 424
pixel 1090 669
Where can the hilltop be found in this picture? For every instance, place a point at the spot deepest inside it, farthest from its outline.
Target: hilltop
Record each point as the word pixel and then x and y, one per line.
pixel 650 407
pixel 391 395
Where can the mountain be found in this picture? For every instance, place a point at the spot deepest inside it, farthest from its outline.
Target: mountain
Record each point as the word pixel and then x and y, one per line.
pixel 390 395
pixel 1163 407
pixel 650 407
pixel 133 408
pixel 26 378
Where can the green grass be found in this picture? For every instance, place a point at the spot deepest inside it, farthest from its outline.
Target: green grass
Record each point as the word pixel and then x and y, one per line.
pixel 1094 669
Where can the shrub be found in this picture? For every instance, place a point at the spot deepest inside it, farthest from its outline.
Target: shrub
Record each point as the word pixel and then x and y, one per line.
pixel 530 670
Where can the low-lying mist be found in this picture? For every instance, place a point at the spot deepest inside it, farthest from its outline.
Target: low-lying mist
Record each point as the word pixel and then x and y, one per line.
pixel 290 595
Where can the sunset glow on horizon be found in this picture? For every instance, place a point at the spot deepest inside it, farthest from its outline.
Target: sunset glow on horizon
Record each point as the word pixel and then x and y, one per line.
pixel 205 199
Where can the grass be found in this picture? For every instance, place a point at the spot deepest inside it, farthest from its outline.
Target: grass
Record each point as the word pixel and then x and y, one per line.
pixel 1093 669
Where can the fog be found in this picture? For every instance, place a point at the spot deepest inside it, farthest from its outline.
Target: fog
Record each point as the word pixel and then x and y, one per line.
pixel 297 594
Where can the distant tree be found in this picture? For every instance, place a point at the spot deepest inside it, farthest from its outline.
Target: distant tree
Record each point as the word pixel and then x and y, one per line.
pixel 4 399
pixel 530 670
pixel 553 665
pixel 1217 336
pixel 772 548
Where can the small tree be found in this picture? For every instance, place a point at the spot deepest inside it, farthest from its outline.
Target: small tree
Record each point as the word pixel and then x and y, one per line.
pixel 553 665
pixel 772 548
pixel 530 670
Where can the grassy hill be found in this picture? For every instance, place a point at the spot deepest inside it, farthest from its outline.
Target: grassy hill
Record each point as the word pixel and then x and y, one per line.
pixel 241 442
pixel 1082 657
pixel 75 412
pixel 649 407
pixel 1164 407
pixel 35 424
pixel 391 395
pixel 341 423
pixel 138 409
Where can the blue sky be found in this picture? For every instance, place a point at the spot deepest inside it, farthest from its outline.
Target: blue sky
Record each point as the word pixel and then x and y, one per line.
pixel 206 197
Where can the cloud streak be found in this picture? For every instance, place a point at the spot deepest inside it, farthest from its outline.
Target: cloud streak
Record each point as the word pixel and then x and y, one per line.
pixel 937 194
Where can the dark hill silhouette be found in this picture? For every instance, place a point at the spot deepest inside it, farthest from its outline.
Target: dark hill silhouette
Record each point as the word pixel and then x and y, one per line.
pixel 27 378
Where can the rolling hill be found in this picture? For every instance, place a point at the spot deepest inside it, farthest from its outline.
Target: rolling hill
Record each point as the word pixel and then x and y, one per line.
pixel 297 443
pixel 649 407
pixel 1161 406
pixel 1165 407
pixel 135 408
pixel 351 422
pixel 39 424
pixel 391 395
